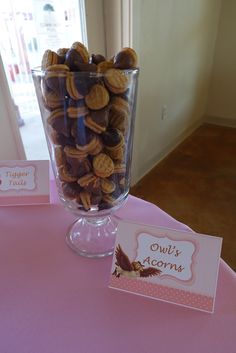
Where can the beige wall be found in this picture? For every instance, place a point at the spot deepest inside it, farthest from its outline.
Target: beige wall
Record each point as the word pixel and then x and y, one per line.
pixel 222 93
pixel 175 43
pixel 95 26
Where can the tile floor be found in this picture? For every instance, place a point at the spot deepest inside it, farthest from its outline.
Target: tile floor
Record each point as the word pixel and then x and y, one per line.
pixel 196 184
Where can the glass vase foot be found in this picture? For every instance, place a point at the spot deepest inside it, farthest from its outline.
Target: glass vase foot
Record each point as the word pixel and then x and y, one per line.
pixel 92 237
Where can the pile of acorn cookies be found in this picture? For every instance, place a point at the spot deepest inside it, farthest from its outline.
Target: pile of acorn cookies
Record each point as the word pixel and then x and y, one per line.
pixel 88 122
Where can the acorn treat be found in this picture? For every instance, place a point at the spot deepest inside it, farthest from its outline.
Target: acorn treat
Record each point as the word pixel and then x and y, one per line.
pixel 88 102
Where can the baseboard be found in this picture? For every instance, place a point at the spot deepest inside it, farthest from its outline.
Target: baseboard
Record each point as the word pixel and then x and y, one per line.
pixel 217 120
pixel 150 164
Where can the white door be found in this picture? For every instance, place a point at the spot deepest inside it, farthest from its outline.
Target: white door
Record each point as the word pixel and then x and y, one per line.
pixel 11 146
pixel 26 21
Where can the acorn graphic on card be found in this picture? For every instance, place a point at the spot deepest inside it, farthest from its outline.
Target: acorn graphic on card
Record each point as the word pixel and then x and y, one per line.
pixel 124 267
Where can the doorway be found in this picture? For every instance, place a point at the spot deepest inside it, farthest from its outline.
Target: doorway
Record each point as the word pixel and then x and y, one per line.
pixel 28 28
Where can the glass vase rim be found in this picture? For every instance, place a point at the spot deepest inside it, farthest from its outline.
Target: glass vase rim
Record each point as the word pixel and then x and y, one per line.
pixel 38 71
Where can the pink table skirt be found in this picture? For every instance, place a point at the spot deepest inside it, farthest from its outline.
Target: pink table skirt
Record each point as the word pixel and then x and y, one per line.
pixel 54 301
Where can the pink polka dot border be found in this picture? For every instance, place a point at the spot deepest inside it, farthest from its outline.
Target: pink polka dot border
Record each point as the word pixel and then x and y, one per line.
pixel 173 295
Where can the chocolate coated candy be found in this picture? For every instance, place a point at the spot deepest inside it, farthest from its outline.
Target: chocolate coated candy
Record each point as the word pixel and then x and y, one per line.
pixel 81 133
pixel 57 83
pixel 59 121
pixel 73 58
pixel 86 67
pixel 71 190
pixel 50 58
pixel 97 58
pixel 62 53
pixel 62 140
pixel 104 206
pixel 120 188
pixel 111 137
pixel 76 103
pixel 83 83
pixel 96 197
pixel 100 116
pixel 125 59
pixel 120 181
pixel 122 61
pixel 94 186
pixel 78 168
pixel 125 95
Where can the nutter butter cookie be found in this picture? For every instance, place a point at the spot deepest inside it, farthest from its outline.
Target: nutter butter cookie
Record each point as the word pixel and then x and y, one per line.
pixel 52 100
pixel 58 120
pixel 116 80
pixel 72 88
pixel 97 148
pixel 113 138
pixel 85 139
pixel 66 175
pixel 119 168
pixel 97 58
pixel 77 108
pixel 59 139
pixel 103 165
pixel 86 179
pixel 126 59
pixel 82 50
pixel 116 154
pixel 72 59
pixel 114 144
pixel 104 66
pixel 96 197
pixel 59 68
pixel 97 98
pixel 50 58
pixel 56 81
pixel 97 120
pixel 71 190
pixel 62 51
pixel 85 199
pixel 60 157
pixel 82 67
pixel 72 152
pixel 107 186
pixel 119 114
pixel 77 161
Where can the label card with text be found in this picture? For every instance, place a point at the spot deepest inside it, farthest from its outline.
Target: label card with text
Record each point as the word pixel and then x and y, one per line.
pixel 24 182
pixel 175 266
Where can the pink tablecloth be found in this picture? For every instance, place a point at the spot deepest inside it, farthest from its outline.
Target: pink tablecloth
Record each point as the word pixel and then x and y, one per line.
pixel 54 301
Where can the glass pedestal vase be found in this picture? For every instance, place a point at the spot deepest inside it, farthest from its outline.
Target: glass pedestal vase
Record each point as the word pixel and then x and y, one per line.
pixel 92 237
pixel 89 127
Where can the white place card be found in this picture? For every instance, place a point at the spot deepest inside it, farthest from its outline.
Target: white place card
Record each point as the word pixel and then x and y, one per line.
pixel 175 266
pixel 24 182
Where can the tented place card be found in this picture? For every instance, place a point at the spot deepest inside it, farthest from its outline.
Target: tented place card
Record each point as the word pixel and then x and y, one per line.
pixel 24 182
pixel 175 266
